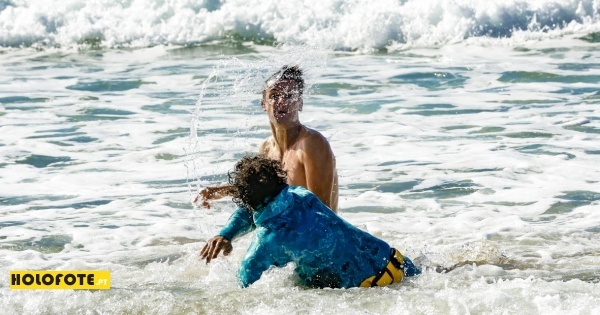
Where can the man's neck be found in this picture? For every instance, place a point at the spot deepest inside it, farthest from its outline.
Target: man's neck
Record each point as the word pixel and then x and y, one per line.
pixel 286 137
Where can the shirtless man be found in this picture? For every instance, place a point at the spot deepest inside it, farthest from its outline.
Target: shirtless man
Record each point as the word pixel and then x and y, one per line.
pixel 303 152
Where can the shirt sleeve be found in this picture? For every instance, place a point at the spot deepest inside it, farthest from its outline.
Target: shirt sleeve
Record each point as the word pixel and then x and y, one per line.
pixel 240 223
pixel 258 259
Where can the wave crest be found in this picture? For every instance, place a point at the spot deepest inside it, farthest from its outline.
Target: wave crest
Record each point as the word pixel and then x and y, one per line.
pixel 341 25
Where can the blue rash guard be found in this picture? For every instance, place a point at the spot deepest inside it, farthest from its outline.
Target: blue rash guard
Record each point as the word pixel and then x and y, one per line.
pixel 327 251
pixel 239 224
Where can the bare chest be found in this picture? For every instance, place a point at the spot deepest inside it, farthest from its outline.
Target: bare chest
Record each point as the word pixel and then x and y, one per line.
pixel 291 161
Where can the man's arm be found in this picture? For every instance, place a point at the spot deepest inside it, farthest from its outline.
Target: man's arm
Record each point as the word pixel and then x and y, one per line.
pixel 319 166
pixel 212 193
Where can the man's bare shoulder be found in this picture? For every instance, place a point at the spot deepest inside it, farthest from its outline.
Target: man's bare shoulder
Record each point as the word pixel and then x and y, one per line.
pixel 314 140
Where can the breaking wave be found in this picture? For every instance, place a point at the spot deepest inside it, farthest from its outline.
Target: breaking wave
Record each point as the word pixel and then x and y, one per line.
pixel 337 24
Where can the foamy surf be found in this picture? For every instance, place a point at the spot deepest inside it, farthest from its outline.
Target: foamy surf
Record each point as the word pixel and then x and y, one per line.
pixel 342 25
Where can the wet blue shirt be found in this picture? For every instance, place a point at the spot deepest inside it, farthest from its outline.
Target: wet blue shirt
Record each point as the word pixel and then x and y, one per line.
pixel 326 250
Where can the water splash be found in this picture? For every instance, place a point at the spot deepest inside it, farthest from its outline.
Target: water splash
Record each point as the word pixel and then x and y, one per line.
pixel 235 86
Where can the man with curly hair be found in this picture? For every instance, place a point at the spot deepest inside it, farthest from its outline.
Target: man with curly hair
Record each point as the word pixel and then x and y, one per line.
pixel 293 225
pixel 304 153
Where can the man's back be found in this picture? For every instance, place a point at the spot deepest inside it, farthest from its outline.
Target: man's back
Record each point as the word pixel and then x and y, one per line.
pixel 327 251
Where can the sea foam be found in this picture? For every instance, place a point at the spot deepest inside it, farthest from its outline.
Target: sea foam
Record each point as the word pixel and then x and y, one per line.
pixel 344 25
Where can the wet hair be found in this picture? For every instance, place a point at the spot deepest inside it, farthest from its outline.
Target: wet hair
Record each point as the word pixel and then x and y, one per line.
pixel 255 181
pixel 291 73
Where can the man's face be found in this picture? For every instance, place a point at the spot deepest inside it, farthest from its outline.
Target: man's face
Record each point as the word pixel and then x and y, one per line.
pixel 282 101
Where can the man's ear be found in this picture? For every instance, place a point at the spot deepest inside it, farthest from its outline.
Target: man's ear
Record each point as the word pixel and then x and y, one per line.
pixel 300 106
pixel 262 103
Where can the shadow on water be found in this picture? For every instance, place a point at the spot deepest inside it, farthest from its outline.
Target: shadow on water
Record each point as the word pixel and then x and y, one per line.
pixel 373 209
pixel 392 187
pixel 444 191
pixel 20 200
pixel 333 89
pixel 407 162
pixel 579 66
pixel 459 127
pixel 47 244
pixel 77 205
pixel 448 109
pixel 509 203
pixel 433 106
pixel 530 77
pixel 41 161
pixel 536 149
pixel 591 37
pixel 10 223
pixel 577 91
pixel 171 96
pixel 471 170
pixel 595 229
pixel 62 130
pixel 449 112
pixel 593 98
pixel 108 86
pixel 432 81
pixel 81 138
pixel 166 107
pixel 95 114
pixel 168 183
pixel 57 135
pixel 572 200
pixel 490 129
pixel 215 49
pixel 172 135
pixel 528 134
pixel 22 100
pixel 363 107
pixel 106 111
pixel 166 156
pixel 534 102
pixel 583 128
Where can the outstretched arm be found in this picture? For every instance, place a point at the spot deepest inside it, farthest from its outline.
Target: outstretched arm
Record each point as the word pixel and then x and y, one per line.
pixel 212 193
pixel 239 224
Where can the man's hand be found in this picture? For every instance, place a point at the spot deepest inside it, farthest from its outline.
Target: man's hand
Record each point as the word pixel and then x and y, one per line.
pixel 210 193
pixel 214 246
pixel 204 195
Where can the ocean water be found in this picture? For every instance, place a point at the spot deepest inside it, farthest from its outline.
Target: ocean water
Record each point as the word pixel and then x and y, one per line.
pixel 467 135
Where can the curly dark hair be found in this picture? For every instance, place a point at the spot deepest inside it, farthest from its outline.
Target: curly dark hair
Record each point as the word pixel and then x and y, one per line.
pixel 255 181
pixel 291 73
